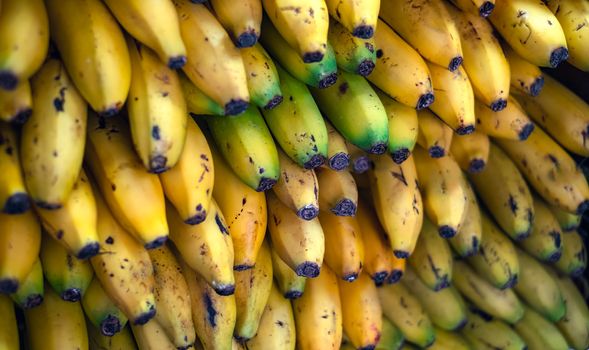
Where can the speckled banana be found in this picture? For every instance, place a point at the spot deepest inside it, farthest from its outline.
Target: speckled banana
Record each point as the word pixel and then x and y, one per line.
pixel 30 293
pixel 567 221
pixel 511 123
pixel 433 134
pixel 101 311
pixel 391 337
pixel 481 333
pixel 358 17
pixel 242 20
pixel 13 194
pixel 16 106
pixel 9 335
pixel 403 127
pixel 538 332
pixel 545 240
pixel 575 324
pixel 526 77
pixel 338 192
pixel 262 78
pixel 471 151
pixel 467 242
pixel 291 285
pixel 121 341
pixel 197 103
pixel 573 260
pixel 338 157
pixel 352 54
pixel 482 8
pixel 573 16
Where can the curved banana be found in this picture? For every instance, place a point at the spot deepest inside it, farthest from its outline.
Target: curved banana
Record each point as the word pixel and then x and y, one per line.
pixel 526 78
pixel 123 340
pixel 433 134
pixel 338 157
pixel 242 20
pixel 30 293
pixel 567 221
pixel 152 336
pixel 16 106
pixel 471 151
pixel 511 123
pixel 573 16
pixel 291 285
pixel 403 127
pixel 14 198
pixel 467 241
pixel 573 260
pixel 358 17
pixel 9 336
pixel 545 240
pixel 483 333
pixel 197 103
pixel 482 8
pixel 101 311
pixel 538 332
pixel 575 324
pixel 352 54
pixel 337 192
pixel 262 78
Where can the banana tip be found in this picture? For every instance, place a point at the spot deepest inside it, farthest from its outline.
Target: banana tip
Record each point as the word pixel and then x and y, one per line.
pixel 380 277
pixel 158 164
pixel 111 111
pixel 526 131
pixel 339 161
pixel 156 243
pixel 476 166
pixel 554 257
pixel 8 285
pixel 400 155
pixel 71 294
pixel 32 301
pixel 511 282
pixel 308 269
pixel 558 55
pixel 196 218
pixel 312 57
pixel 363 31
pixel 177 62
pixel 455 63
pixel 236 106
pixel 308 212
pixel 401 254
pixel 486 9
pixel 460 325
pixel 293 294
pixel 316 161
pixel 443 284
pixel 537 86
pixel 446 231
pixel 18 203
pixel 350 277
pixel 274 102
pixel 225 289
pixel 425 100
pixel 365 67
pixel 583 206
pixel 395 276
pixel 436 152
pixel 327 81
pixel 265 184
pixel 246 39
pixel 345 207
pixel 110 326
pixel 242 267
pixel 47 206
pixel 465 130
pixel 22 116
pixel 368 347
pixel 577 272
pixel 145 317
pixel 498 105
pixel 88 251
pixel 8 80
pixel 379 148
pixel 361 164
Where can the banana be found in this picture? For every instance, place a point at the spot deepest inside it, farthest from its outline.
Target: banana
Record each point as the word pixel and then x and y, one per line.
pixel 391 337
pixel 428 27
pixel 575 324
pixel 550 170
pixel 252 290
pixel 446 340
pixel 352 54
pixel 471 151
pixel 300 243
pixel 361 162
pixel 90 40
pixel 24 40
pixel 262 78
pixel 568 126
pixel 101 312
pixel 152 336
pixel 526 78
pixel 56 324
pixel 573 260
pixel 156 108
pixel 304 28
pixel 297 124
pixel 467 241
pixel 20 242
pixel 213 63
pixel 539 333
pixel 74 224
pixel 52 142
pixel 484 60
pixel 445 307
pixel 503 190
pixel 121 341
pixel 497 260
pixel 134 196
pixel 245 212
pixel 432 258
pixel 338 157
pixel 403 128
pixel 297 188
pixel 247 146
pixel 511 123
pixel 288 282
pixel 318 313
pixel 545 240
pixel 155 24
pixel 355 110
pixel 531 30
pixel 433 135
pixel 68 276
pixel 482 8
pixel 277 326
pixel 573 16
pixel 361 311
pixel 338 192
pixel 9 336
pixel 123 268
pixel 397 202
pixel 483 333
pixel 213 314
pixel 358 17
pixel 503 304
pixel 197 103
pixel 30 292
pixel 405 311
pixel 242 20
pixel 212 240
pixel 16 106
pixel 567 221
pixel 444 191
pixel 13 194
pixel 538 288
pixel 454 103
pixel 344 248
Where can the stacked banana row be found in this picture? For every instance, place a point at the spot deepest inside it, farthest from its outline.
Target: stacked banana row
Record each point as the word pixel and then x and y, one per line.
pixel 411 169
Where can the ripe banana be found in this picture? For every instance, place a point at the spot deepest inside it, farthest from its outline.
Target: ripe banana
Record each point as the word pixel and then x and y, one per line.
pixel 573 260
pixel 526 78
pixel 471 151
pixel 152 336
pixel 338 192
pixel 573 16
pixel 567 221
pixel 247 146
pixel 338 157
pixel 433 135
pixel 155 24
pixel 9 336
pixel 467 241
pixel 545 240
pixel 299 243
pixel 403 127
pixel 212 240
pixel 242 19
pixel 90 40
pixel 288 282
pixel 30 292
pixel 531 30
pixel 304 27
pixel 20 242
pixel 318 313
pixel 121 341
pixel 101 311
pixel 352 54
pixel 134 196
pixel 16 106
pixel 358 17
pixel 297 124
pixel 391 337
pixel 52 141
pixel 483 333
pixel 538 332
pixel 13 194
pixel 511 123
pixel 482 8
pixel 503 190
pixel 262 78
pixel 213 63
pixel 575 324
pixel 197 103
pixel 24 40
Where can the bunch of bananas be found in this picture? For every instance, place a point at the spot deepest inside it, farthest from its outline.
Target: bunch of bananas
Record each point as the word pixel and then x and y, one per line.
pixel 281 174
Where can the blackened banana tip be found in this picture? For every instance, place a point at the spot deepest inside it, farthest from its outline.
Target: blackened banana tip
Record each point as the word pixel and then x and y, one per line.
pixel 177 62
pixel 32 301
pixel 72 294
pixel 339 161
pixel 48 206
pixel 486 9
pixel 242 267
pixel 582 207
pixel 446 231
pixel 274 102
pixel 308 212
pixel 460 325
pixel 158 164
pixel 351 277
pixel 8 80
pixel 400 155
pixel 110 326
pixel 365 67
pixel 198 1
pixel 235 107
pixel 316 160
pixel 110 112
pixel 293 294
pixel 443 284
pixel 308 269
pixel 88 251
pixel 196 218
pixel 156 243
pixel 455 63
pixel 537 86
pixel 523 235
pixel 363 31
pixel 361 164
pixel 395 277
pixel 554 257
pixel 475 245
pixel 558 55
pixel 425 100
pixel 312 57
pixel 401 254
pixel 265 184
pixel 368 347
pixel 379 148
pixel 145 317
pixel 498 105
pixel 526 131
pixel 8 286
pixel 436 152
pixel 246 39
pixel 345 207
pixel 225 290
pixel 465 130
pixel 18 203
pixel 577 272
pixel 22 116
pixel 511 282
pixel 327 81
pixel 476 166
pixel 380 277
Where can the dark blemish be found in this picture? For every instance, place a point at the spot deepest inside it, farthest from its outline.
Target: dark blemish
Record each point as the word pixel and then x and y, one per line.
pixel 69 261
pixel 379 53
pixel 222 227
pixel 59 234
pixel 211 312
pixel 8 151
pixel 204 157
pixel 58 102
pixel 113 187
pixel 400 176
pixel 553 160
pixel 109 240
pixel 243 201
pixel 512 204
pixel 155 132
pixel 280 323
pixel 55 154
pixel 343 88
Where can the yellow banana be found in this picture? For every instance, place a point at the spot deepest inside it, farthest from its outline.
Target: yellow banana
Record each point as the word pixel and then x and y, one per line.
pixel 484 333
pixel 358 17
pixel 531 30
pixel 337 192
pixel 30 292
pixel 197 103
pixel 13 194
pixel 446 340
pixel 338 157
pixel 212 240
pixel 573 16
pixel 352 54
pixel 545 240
pixel 573 260
pixel 471 151
pixel 101 312
pixel 121 341
pixel 20 242
pixel 538 332
pixel 403 128
pixel 16 106
pixel 575 324
pixel 467 241
pixel 427 26
pixel 288 282
pixel 52 142
pixel 90 40
pixel 134 196
pixel 56 324
pixel 152 336
pixel 24 40
pixel 262 78
pixel 391 337
pixel 9 336
pixel 242 19
pixel 510 123
pixel 299 243
pixel 433 135
pixel 567 221
pixel 318 313
pixel 526 78
pixel 213 63
pixel 344 248
pixel 156 108
pixel 155 24
pixel 482 8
